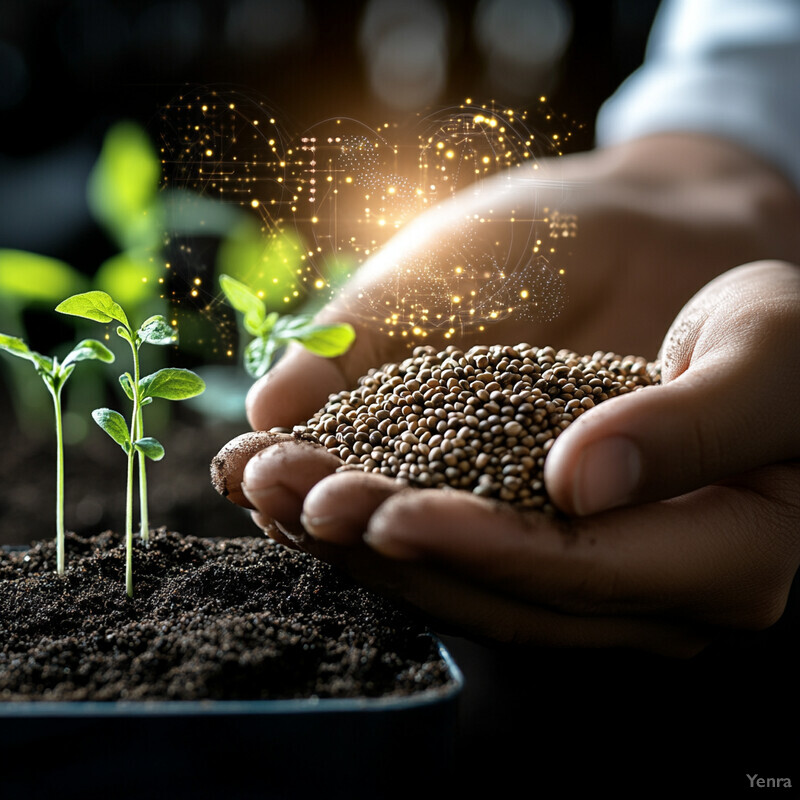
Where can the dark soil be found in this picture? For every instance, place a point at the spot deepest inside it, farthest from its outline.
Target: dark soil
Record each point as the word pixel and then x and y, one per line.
pixel 239 618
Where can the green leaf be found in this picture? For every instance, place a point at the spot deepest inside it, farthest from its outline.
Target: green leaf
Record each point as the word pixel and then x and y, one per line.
pixel 156 330
pixel 97 306
pixel 123 187
pixel 171 383
pixel 17 347
pixel 328 340
pixel 322 340
pixel 30 277
pixel 246 302
pixel 88 350
pixel 126 381
pixel 151 447
pixel 291 325
pixel 131 277
pixel 259 355
pixel 113 423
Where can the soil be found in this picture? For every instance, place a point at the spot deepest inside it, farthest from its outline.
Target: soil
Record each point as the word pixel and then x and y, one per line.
pixel 239 618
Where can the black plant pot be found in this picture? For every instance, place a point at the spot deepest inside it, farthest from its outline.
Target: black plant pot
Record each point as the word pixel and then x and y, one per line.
pixel 378 747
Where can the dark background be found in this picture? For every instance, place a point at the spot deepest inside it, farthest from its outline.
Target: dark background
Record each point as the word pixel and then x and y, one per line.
pixel 70 68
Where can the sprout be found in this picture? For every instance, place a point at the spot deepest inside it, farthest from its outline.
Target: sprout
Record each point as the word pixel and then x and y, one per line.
pixel 55 374
pixel 272 331
pixel 169 383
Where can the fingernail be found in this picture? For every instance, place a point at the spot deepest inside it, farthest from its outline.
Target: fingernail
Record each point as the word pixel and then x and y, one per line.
pixel 277 503
pixel 319 527
pixel 340 529
pixel 607 474
pixel 386 543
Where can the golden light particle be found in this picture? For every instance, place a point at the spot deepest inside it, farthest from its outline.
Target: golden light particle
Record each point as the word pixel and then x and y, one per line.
pixel 254 203
pixel 209 152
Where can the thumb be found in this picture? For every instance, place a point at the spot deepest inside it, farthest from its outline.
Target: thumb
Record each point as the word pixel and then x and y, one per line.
pixel 728 403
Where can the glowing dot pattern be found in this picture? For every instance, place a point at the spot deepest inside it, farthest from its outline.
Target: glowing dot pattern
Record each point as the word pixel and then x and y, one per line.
pixel 327 199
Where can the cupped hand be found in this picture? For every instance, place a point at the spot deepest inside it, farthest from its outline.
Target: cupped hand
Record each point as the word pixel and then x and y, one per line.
pixel 685 500
pixel 660 553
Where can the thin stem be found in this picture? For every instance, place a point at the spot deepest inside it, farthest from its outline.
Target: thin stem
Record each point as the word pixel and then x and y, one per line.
pixel 143 510
pixel 129 501
pixel 60 559
pixel 129 528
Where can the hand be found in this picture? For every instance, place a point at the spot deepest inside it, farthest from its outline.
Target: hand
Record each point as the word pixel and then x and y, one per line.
pixel 657 219
pixel 692 525
pixel 622 580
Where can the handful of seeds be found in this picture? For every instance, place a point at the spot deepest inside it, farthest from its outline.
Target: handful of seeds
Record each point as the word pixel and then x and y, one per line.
pixel 482 420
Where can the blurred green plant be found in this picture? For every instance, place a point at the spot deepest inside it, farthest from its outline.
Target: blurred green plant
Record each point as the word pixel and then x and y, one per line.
pixel 271 330
pixel 29 280
pixel 55 374
pixel 125 197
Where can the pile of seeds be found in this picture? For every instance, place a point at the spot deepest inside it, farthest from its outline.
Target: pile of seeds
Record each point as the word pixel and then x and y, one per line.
pixel 482 421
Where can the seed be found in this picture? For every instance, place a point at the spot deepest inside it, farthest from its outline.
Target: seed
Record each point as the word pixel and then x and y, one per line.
pixel 481 421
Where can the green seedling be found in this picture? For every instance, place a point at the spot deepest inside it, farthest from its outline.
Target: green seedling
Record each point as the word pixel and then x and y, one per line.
pixel 271 331
pixel 170 384
pixel 55 374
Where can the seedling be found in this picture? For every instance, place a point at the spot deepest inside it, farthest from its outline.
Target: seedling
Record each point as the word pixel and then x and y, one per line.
pixel 170 384
pixel 271 331
pixel 55 374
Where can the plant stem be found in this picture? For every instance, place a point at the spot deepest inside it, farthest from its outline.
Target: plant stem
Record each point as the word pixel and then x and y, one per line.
pixel 143 510
pixel 129 528
pixel 135 416
pixel 56 393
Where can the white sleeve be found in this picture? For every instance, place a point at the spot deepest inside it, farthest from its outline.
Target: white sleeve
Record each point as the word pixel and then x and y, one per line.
pixel 729 68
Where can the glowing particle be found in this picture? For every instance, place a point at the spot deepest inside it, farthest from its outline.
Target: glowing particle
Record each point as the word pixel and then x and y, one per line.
pixel 209 152
pixel 254 203
pixel 524 294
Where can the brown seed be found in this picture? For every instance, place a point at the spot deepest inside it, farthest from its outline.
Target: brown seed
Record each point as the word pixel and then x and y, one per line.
pixel 449 418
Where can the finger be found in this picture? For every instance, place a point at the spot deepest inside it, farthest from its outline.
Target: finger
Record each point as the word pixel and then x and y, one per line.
pixel 465 608
pixel 276 480
pixel 228 465
pixel 338 508
pixel 700 556
pixel 271 529
pixel 712 418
